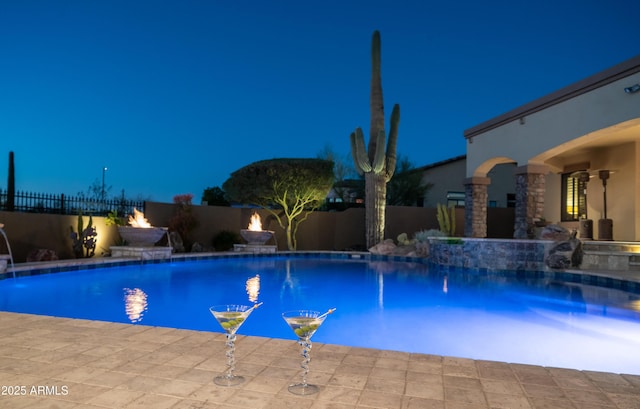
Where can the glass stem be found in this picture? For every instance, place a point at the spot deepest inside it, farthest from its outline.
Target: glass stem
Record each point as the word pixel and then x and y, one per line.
pixel 231 359
pixel 306 349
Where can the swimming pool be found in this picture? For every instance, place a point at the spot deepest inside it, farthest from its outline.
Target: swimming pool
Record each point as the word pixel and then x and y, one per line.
pixel 531 318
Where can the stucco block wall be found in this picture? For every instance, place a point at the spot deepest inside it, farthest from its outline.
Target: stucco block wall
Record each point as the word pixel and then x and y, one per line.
pixel 322 231
pixel 30 231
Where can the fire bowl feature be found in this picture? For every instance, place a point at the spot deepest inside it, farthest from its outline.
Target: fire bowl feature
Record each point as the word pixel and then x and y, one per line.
pixel 140 239
pixel 141 236
pixel 140 233
pixel 256 237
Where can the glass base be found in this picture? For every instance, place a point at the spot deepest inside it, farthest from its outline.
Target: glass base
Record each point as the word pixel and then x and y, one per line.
pixel 224 380
pixel 303 389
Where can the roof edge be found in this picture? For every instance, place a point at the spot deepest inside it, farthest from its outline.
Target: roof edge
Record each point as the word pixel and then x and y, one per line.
pixel 595 81
pixel 440 163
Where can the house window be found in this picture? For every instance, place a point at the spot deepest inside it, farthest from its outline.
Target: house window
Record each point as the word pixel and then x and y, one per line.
pixel 511 200
pixel 574 198
pixel 455 199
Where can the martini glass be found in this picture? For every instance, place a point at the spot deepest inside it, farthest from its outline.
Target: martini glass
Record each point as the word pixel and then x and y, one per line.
pixel 230 317
pixel 304 323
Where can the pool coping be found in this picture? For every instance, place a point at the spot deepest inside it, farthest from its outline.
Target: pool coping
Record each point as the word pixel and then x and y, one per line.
pixel 37 350
pixel 97 364
pixel 619 280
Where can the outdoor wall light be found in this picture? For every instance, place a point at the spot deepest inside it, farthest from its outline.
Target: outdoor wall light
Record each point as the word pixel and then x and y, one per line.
pixel 632 89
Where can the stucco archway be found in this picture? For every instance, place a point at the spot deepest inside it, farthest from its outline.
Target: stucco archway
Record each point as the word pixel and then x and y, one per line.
pixel 476 197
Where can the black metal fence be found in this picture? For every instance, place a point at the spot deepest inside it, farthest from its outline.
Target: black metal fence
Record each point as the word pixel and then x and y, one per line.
pixel 62 204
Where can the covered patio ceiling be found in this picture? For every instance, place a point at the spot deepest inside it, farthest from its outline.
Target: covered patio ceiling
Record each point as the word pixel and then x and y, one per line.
pixel 580 150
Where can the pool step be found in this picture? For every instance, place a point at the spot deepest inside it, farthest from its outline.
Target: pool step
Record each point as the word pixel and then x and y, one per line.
pixel 607 255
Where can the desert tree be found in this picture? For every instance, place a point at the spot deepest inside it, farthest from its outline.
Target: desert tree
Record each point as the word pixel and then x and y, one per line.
pixel 289 189
pixel 406 187
pixel 215 196
pixel 343 171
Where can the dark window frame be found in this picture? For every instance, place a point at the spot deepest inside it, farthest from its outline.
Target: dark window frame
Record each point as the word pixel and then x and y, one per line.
pixel 573 198
pixel 455 199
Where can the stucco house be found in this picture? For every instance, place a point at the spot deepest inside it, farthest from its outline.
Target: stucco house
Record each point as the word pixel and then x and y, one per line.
pixel 446 179
pixel 576 156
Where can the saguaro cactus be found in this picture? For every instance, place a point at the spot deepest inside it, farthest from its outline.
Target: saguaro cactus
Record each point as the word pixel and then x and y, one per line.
pixel 377 165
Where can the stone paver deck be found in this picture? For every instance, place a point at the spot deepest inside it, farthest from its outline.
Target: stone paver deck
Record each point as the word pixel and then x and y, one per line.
pixel 48 362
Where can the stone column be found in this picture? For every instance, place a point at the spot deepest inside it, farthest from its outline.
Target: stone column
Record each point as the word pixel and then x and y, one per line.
pixel 530 188
pixel 475 206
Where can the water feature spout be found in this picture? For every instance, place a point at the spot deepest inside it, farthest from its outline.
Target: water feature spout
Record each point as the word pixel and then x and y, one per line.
pixel 6 240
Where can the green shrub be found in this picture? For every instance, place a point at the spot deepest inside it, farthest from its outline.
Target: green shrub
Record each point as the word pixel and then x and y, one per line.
pixel 455 240
pixel 403 240
pixel 113 219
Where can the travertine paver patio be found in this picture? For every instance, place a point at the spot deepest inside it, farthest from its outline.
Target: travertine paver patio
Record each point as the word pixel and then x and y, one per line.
pixel 70 363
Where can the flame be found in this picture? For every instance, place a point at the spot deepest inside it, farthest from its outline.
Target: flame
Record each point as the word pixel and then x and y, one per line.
pixel 253 288
pixel 255 224
pixel 135 303
pixel 138 220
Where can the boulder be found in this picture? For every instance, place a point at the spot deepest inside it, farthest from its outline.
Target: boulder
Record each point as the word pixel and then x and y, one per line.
pixel 386 247
pixel 555 233
pixel 389 248
pixel 422 249
pixel 558 261
pixel 176 242
pixel 408 250
pixel 565 254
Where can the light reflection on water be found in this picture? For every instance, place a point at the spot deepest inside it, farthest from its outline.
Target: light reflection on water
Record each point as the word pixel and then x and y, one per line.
pixel 253 288
pixel 135 303
pixel 387 305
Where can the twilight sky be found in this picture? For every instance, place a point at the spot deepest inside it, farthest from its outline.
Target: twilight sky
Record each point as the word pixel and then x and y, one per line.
pixel 173 96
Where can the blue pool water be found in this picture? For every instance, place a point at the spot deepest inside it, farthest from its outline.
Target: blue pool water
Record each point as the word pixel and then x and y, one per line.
pixel 402 306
